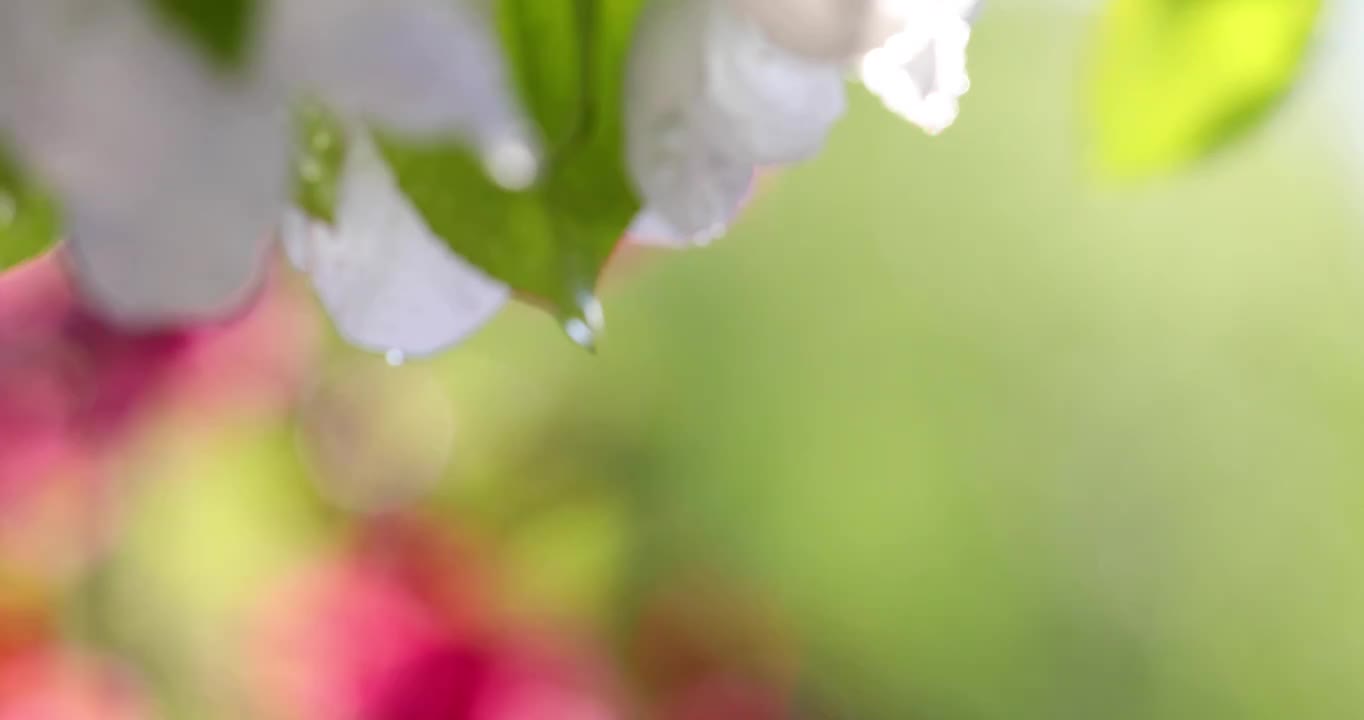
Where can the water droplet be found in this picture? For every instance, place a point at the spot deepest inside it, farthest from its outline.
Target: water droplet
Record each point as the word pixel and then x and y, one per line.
pixel 321 141
pixel 9 209
pixel 585 327
pixel 512 164
pixel 395 357
pixel 592 312
pixel 579 332
pixel 709 235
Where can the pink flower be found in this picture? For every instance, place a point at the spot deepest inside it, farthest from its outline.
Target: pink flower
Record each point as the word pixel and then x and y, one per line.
pixel 42 680
pixel 398 628
pixel 67 383
pixel 52 684
pixel 74 390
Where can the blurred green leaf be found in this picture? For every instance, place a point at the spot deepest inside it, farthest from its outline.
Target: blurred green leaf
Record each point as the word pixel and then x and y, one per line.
pixel 551 240
pixel 1178 79
pixel 221 28
pixel 28 217
pixel 547 43
pixel 320 144
pixel 566 559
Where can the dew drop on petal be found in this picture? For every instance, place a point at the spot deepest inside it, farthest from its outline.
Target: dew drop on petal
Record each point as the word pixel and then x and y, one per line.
pixel 709 235
pixel 395 357
pixel 650 229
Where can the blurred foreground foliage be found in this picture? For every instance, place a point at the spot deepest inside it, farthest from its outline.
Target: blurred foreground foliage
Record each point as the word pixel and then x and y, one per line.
pixel 1175 80
pixel 1032 450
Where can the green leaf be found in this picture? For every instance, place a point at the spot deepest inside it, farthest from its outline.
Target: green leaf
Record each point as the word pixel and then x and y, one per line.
pixel 1178 79
pixel 547 46
pixel 221 28
pixel 551 241
pixel 28 216
pixel 320 148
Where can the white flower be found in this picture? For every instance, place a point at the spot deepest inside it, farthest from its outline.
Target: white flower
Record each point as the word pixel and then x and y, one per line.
pixel 829 30
pixel 709 99
pixel 919 69
pixel 388 282
pixel 173 172
pixel 170 178
pixel 911 53
pixel 718 88
pixel 426 67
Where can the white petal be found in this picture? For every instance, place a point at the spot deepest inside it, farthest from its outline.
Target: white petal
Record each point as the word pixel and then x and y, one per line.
pixel 920 72
pixel 830 30
pixel 388 282
pixel 652 230
pixel 689 181
pixel 417 66
pixel 708 99
pixel 912 52
pixel 170 176
pixel 770 103
pixel 840 30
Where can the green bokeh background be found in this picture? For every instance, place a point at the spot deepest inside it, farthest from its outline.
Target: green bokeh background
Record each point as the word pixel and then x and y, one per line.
pixel 1002 441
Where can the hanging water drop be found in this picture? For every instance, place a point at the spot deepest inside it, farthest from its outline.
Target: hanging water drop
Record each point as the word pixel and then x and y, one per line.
pixel 395 357
pixel 588 324
pixel 579 332
pixel 592 312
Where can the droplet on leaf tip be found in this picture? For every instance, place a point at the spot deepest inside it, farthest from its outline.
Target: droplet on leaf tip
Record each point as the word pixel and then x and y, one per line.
pixel 592 312
pixel 579 332
pixel 585 327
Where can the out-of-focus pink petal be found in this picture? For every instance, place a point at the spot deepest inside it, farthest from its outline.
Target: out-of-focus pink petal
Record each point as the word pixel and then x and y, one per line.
pixel 333 638
pixel 74 391
pixel 730 698
pixel 49 684
pixel 390 630
pixel 67 383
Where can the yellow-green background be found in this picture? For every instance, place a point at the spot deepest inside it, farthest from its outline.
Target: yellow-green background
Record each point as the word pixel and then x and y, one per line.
pixel 1001 440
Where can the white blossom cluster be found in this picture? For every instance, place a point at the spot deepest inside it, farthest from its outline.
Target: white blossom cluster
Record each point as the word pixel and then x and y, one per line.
pixel 174 175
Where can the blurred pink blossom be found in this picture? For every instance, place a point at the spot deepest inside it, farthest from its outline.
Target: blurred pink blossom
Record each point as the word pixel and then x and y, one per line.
pixel 41 679
pixel 74 390
pixel 402 627
pixel 53 684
